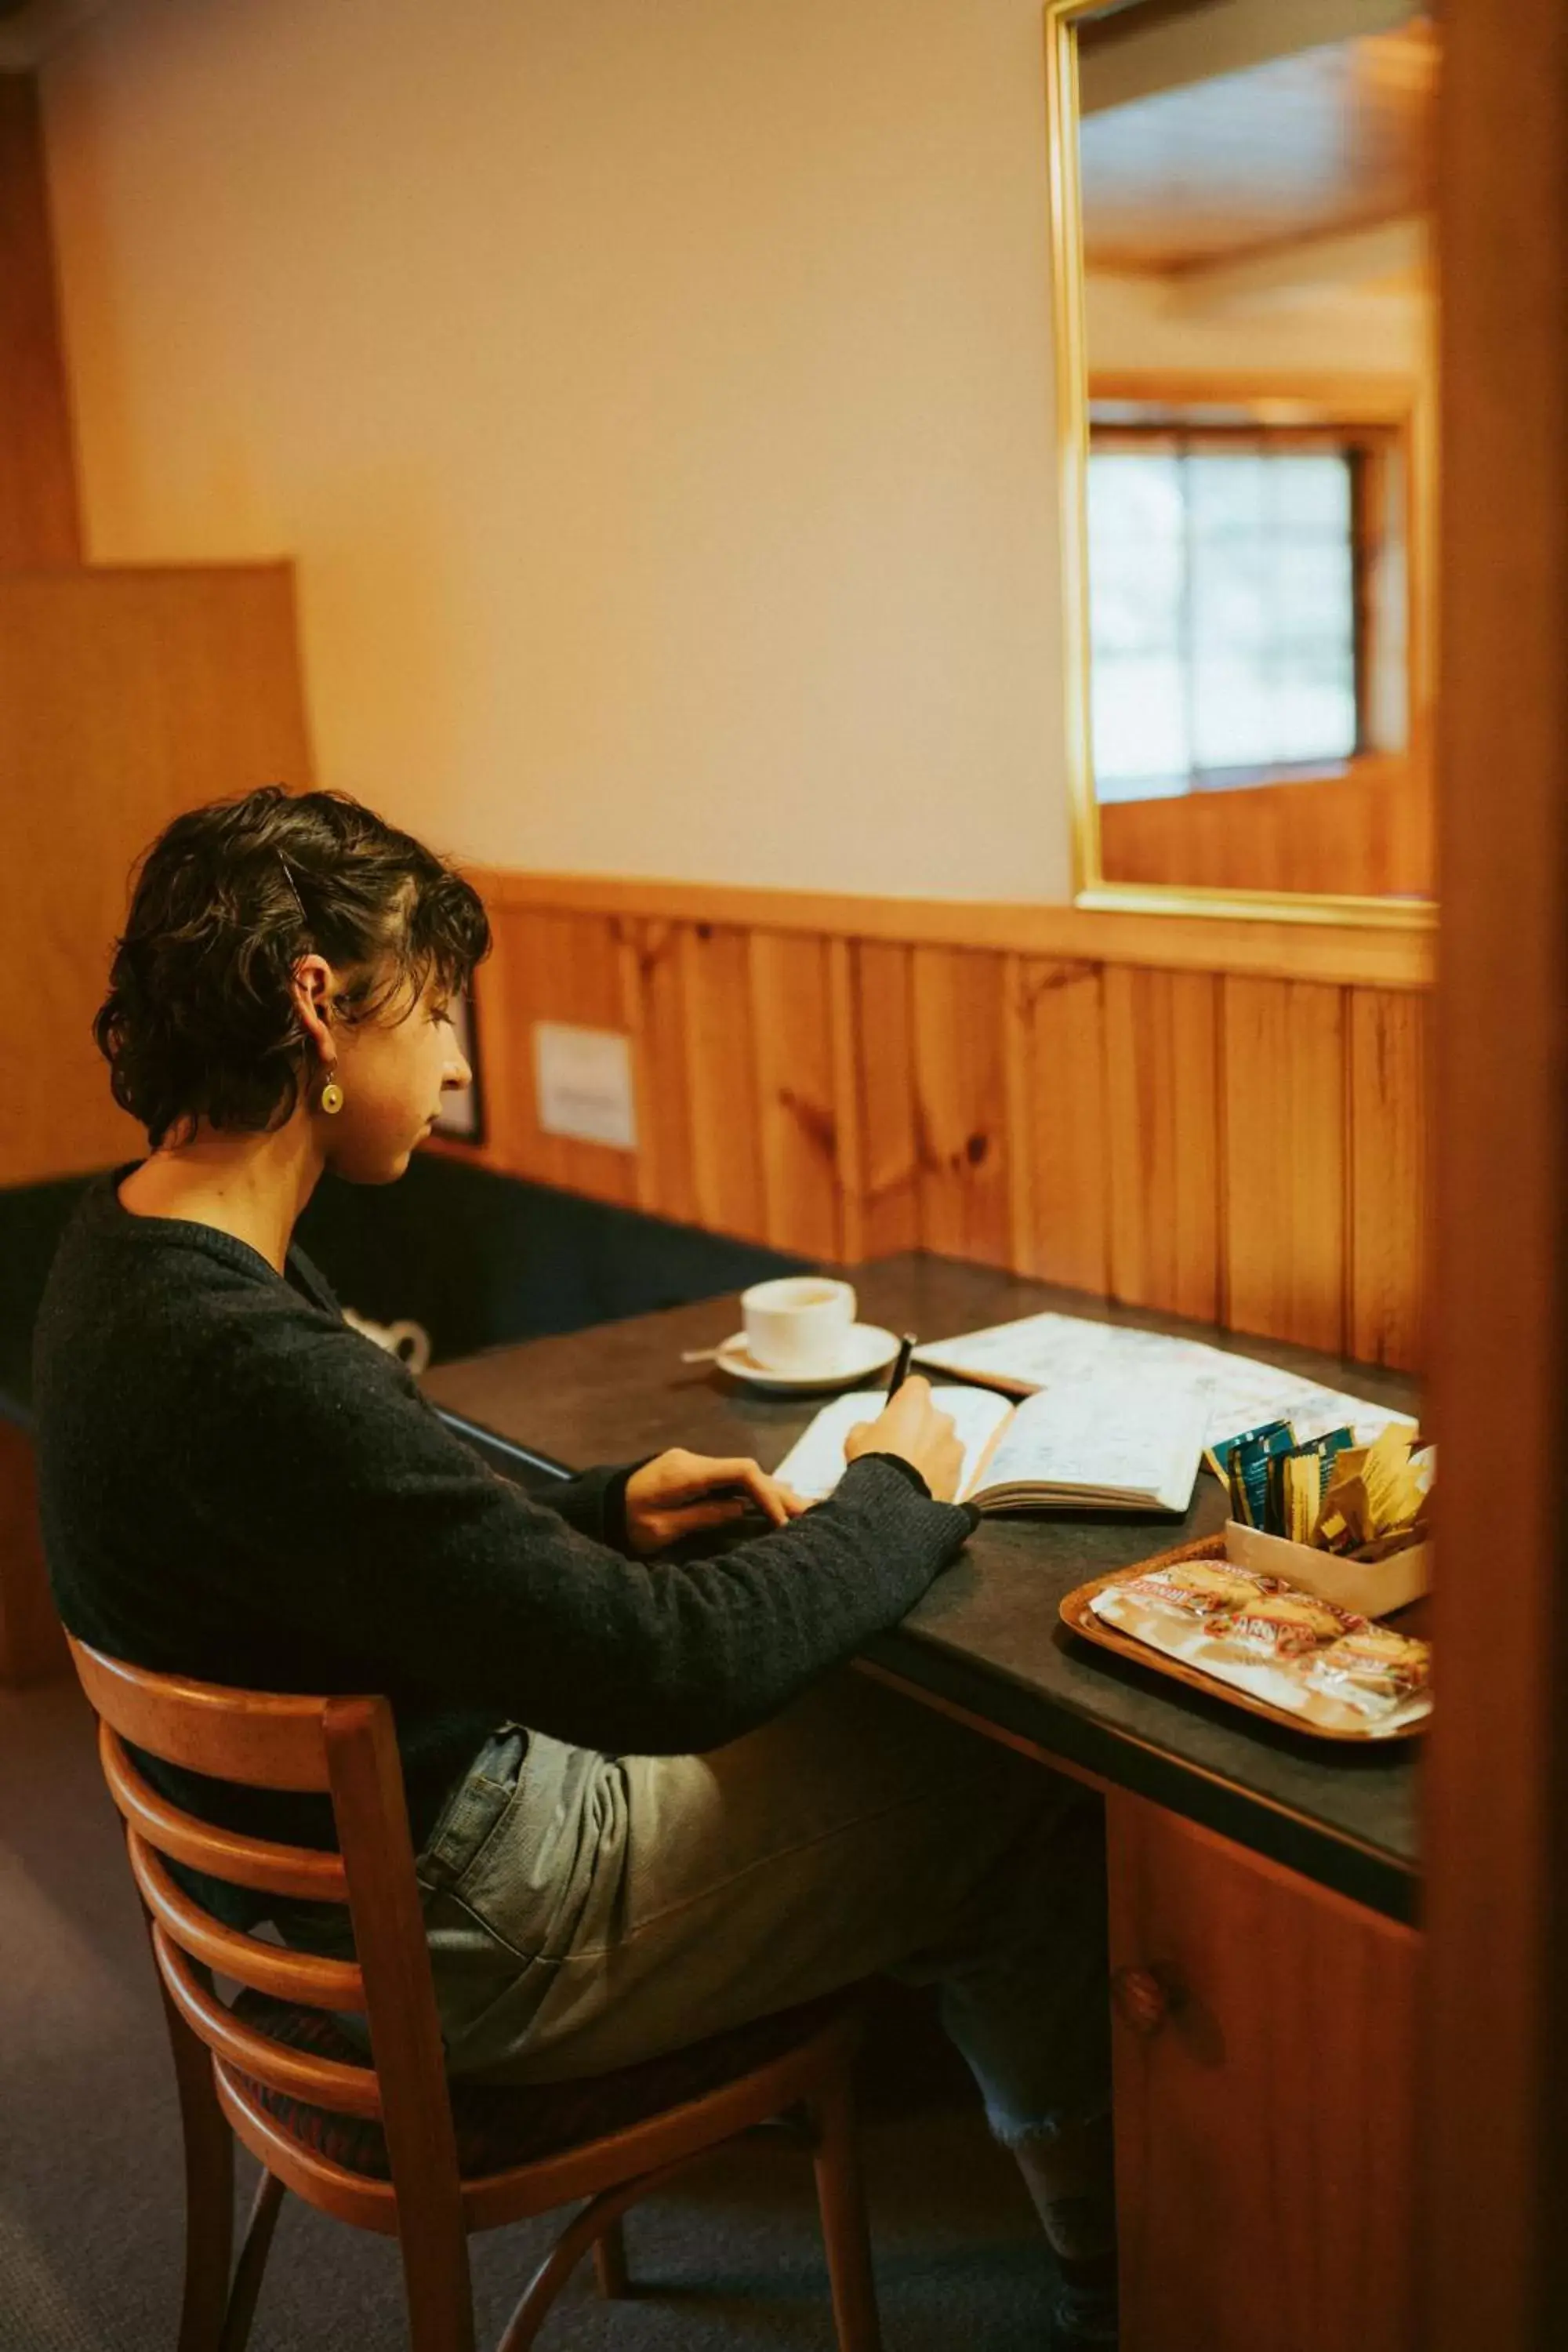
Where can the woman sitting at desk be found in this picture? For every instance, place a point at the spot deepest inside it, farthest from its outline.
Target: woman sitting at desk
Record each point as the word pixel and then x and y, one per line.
pixel 644 1807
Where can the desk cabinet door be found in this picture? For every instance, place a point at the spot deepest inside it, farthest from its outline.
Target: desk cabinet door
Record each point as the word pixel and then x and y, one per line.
pixel 1264 2057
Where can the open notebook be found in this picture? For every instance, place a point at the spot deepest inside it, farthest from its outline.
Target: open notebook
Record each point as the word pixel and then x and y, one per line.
pixel 1053 1351
pixel 1134 1446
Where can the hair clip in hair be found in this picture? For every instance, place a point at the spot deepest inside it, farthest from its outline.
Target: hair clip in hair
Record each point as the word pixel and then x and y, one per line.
pixel 293 889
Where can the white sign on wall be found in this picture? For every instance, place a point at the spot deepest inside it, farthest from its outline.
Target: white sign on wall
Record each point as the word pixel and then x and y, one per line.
pixel 583 1084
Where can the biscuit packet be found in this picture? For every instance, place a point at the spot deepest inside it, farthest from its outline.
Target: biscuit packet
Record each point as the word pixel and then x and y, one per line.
pixel 1374 1669
pixel 1285 1623
pixel 1334 1670
pixel 1202 1590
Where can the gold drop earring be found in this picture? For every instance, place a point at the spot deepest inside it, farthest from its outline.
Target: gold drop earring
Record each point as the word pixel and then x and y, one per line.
pixel 330 1098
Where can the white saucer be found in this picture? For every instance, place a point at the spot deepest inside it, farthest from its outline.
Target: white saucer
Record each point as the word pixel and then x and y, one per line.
pixel 866 1350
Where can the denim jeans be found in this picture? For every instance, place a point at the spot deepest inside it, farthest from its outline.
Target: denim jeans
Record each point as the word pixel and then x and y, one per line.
pixel 586 1911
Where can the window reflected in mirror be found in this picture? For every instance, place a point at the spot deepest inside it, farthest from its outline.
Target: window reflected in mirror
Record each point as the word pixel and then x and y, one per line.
pixel 1257 314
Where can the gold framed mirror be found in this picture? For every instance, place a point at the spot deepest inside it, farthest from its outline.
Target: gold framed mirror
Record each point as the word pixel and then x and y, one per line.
pixel 1243 312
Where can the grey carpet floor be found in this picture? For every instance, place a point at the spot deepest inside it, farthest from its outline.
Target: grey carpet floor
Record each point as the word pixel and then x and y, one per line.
pixel 90 2162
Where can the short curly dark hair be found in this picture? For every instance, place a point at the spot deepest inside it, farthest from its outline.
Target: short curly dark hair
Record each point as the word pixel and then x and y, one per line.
pixel 200 1021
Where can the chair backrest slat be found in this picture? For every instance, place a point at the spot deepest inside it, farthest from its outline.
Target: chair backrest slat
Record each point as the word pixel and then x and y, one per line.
pixel 305 1871
pixel 323 2082
pixel 345 1748
pixel 265 1739
pixel 287 1975
pixel 372 1815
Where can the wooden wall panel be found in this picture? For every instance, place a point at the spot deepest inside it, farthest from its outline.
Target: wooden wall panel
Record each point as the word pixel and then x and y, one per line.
pixel 125 697
pixel 1239 1148
pixel 793 1032
pixel 722 1081
pixel 1388 1176
pixel 1057 1122
pixel 1284 1113
pixel 1397 952
pixel 887 1202
pixel 653 1002
pixel 1365 835
pixel 959 1006
pixel 566 967
pixel 1161 1049
pixel 39 523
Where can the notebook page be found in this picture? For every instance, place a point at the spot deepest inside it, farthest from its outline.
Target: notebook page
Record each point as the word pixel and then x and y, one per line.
pixel 1045 1351
pixel 1136 1435
pixel 814 1464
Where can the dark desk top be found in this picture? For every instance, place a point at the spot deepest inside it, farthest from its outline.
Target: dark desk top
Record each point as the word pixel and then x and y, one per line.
pixel 986 1637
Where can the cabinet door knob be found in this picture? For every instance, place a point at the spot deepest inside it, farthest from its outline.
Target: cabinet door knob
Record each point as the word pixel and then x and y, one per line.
pixel 1143 2001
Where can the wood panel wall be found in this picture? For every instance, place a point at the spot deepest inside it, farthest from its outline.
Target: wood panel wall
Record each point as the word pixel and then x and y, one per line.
pixel 39 522
pixel 125 695
pixel 1236 1143
pixel 1366 834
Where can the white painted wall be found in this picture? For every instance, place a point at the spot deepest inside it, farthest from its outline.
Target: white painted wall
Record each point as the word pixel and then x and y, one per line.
pixel 656 399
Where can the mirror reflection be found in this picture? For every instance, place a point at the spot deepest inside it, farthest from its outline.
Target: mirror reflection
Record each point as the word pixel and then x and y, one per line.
pixel 1257 305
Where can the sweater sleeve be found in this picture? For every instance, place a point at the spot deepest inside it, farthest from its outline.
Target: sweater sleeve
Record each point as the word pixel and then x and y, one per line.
pixel 370 1524
pixel 595 1501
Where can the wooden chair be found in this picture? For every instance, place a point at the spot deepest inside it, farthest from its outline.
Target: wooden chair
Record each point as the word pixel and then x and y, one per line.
pixel 391 2146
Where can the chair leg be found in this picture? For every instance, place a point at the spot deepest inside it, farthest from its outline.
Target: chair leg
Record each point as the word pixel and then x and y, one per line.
pixel 252 2261
pixel 437 2287
pixel 209 2189
pixel 610 2261
pixel 844 2230
pixel 586 2229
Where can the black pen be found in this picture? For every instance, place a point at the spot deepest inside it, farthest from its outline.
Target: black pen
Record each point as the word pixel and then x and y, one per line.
pixel 901 1369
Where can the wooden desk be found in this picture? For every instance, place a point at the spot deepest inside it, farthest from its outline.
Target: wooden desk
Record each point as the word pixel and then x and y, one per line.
pixel 1262 1884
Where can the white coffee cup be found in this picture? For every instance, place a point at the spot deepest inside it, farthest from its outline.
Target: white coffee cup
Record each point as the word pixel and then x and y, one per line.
pixel 799 1323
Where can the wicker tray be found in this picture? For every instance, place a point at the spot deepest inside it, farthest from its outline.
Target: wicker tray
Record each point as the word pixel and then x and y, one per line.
pixel 1076 1614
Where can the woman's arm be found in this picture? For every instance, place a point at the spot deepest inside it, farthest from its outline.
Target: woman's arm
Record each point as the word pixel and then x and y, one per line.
pixel 371 1525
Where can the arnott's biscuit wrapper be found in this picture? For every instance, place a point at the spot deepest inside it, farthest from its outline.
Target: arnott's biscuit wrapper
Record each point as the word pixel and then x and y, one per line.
pixel 1337 1671
pixel 1374 1669
pixel 1201 1588
pixel 1285 1624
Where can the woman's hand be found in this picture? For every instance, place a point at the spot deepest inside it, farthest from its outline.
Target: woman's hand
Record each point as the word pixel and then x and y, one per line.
pixel 916 1430
pixel 677 1493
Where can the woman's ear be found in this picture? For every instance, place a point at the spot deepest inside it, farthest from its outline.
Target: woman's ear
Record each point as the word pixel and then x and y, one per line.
pixel 314 982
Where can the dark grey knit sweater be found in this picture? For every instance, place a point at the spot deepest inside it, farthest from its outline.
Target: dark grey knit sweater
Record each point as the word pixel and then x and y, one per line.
pixel 237 1486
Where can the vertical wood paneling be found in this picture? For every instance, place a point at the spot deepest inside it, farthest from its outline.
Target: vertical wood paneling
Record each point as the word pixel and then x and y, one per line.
pixel 1017 1075
pixel 1242 1150
pixel 564 968
pixel 961 1102
pixel 38 514
pixel 1368 833
pixel 501 1042
pixel 792 1027
pixel 125 697
pixel 848 1132
pixel 884 1052
pixel 1388 1175
pixel 1284 1097
pixel 654 1015
pixel 721 1083
pixel 1059 1128
pixel 1164 1146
